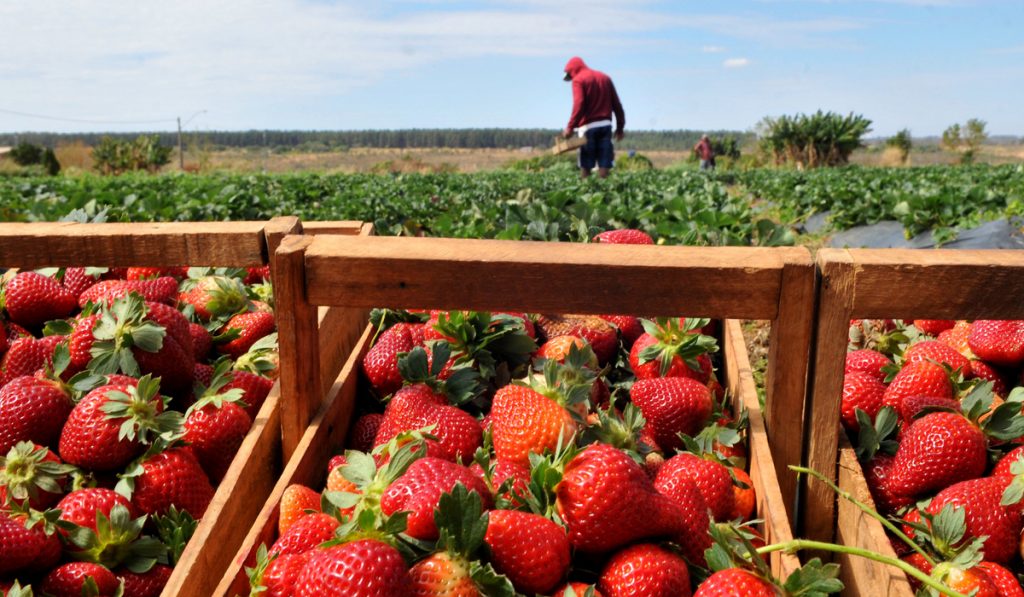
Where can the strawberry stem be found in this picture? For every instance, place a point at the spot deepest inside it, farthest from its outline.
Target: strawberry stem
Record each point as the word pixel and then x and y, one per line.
pixel 798 544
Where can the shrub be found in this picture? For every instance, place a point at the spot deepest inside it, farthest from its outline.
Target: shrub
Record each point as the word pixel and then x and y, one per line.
pixel 820 139
pixel 113 156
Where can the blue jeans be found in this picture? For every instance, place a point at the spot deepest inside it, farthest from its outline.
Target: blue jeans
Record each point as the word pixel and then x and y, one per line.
pixel 598 150
pixel 707 164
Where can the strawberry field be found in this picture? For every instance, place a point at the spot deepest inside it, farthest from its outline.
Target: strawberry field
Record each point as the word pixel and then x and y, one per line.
pixel 756 207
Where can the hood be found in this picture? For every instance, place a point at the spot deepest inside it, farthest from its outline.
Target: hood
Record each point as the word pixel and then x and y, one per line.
pixel 574 66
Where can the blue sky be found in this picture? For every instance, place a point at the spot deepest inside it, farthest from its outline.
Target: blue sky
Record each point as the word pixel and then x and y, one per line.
pixel 339 64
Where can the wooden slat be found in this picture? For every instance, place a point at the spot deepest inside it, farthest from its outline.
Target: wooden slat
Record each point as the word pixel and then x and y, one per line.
pixel 339 329
pixel 345 227
pixel 537 277
pixel 50 244
pixel 862 577
pixel 771 506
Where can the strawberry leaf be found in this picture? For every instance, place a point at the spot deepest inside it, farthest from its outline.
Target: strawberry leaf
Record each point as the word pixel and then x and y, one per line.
pixel 814 579
pixel 489 582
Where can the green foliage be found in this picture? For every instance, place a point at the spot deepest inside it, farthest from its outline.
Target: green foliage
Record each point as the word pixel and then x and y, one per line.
pixel 27 154
pixel 634 162
pixel 820 139
pixel 902 142
pixel 951 139
pixel 113 156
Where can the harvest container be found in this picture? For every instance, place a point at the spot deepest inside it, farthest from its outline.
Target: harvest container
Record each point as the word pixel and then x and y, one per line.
pixel 896 284
pixel 721 283
pixel 222 244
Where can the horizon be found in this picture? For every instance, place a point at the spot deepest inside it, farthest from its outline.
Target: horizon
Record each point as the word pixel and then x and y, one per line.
pixel 333 65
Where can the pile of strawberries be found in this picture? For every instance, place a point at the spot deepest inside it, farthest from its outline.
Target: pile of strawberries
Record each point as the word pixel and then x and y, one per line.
pixel 124 395
pixel 934 408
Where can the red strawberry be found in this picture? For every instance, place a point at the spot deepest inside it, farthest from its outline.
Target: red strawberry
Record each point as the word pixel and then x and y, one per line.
pixel 81 340
pixel 867 361
pixel 986 517
pixel 32 473
pixel 24 549
pixel 937 450
pixel 911 406
pixel 363 432
pixel 161 290
pixel 26 356
pixel 525 421
pixel 255 389
pixel 745 499
pixel 941 353
pixel 363 568
pixel 172 478
pixel 679 486
pixel 878 474
pixel 32 299
pixel 982 370
pixel 381 362
pixel 672 348
pixel 215 296
pixel 672 405
pixel 78 279
pixel 202 341
pixel 1000 342
pixel 251 326
pixel 111 424
pixel 1007 461
pixel 420 489
pixel 279 576
pixel 919 378
pixel 295 501
pixel 69 580
pixel 732 582
pixel 624 236
pixel 305 534
pixel 601 335
pixel 174 361
pixel 82 505
pixel 933 327
pixel 607 501
pixel 711 478
pixel 33 408
pixel 145 584
pixel 149 273
pixel 417 406
pixel 255 275
pixel 645 570
pixel 443 575
pixel 530 550
pixel 860 391
pixel 215 428
pixel 1006 582
pixel 629 326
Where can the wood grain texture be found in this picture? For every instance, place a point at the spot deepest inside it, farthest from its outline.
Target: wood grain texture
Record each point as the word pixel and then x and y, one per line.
pixel 714 282
pixel 344 227
pixel 817 512
pixel 771 506
pixel 49 244
pixel 862 577
pixel 298 342
pixel 786 377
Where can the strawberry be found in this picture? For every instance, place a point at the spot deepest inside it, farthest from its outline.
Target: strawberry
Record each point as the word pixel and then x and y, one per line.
pixel 645 570
pixel 202 341
pixel 1006 582
pixel 81 340
pixel 255 275
pixel 525 421
pixel 305 534
pixel 937 450
pixel 25 549
pixel 601 335
pixel 161 290
pixel 919 378
pixel 250 327
pixel 418 406
pixel 860 391
pixel 530 550
pixel 255 389
pixel 363 432
pixel 711 478
pixel 381 362
pixel 420 488
pixel 957 337
pixel 736 582
pixel 878 474
pixel 442 575
pixel 973 582
pixel 215 296
pixel 629 326
pixel 867 361
pixel 673 348
pixel 606 501
pixel 82 505
pixel 26 356
pixel 78 279
pixel 999 342
pixel 362 568
pixel 939 352
pixel 277 578
pixel 557 348
pixel 623 236
pixel 744 499
pixel 32 299
pixel 110 426
pixel 145 584
pixel 982 370
pixel 33 408
pixel 911 406
pixel 216 425
pixel 1003 466
pixel 171 478
pixel 295 500
pixel 174 361
pixel 31 473
pixel 71 580
pixel 985 515
pixel 672 405
pixel 149 273
pixel 933 327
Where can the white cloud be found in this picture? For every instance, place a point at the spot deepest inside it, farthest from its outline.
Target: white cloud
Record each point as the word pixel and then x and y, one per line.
pixel 736 62
pixel 712 49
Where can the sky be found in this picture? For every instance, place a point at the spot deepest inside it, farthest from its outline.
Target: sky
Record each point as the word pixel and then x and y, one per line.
pixel 118 65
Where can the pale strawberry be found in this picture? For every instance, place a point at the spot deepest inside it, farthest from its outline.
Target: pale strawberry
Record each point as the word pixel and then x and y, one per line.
pixel 525 421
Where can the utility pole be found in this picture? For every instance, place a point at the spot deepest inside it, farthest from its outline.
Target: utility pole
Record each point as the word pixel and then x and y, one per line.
pixel 181 154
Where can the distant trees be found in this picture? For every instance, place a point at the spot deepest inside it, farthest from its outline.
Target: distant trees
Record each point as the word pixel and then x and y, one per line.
pixel 966 140
pixel 27 154
pixel 902 143
pixel 819 139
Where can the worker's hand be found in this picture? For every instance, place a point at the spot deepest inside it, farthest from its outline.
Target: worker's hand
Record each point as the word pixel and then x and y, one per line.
pixel 619 135
pixel 567 133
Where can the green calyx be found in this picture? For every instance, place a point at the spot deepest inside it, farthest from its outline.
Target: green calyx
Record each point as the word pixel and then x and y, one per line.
pixel 174 529
pixel 255 573
pixel 17 590
pixel 25 472
pixel 463 384
pixel 213 395
pixel 120 328
pixel 546 472
pixel 226 295
pixel 878 436
pixel 619 430
pixel 117 541
pixel 461 524
pixel 142 420
pixel 485 342
pixel 261 358
pixel 676 337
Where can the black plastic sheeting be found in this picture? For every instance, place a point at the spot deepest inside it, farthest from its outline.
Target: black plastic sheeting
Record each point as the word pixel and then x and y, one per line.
pixel 997 234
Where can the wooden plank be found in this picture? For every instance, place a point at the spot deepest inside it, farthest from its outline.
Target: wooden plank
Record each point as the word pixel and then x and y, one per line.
pixel 297 336
pixel 48 244
pixel 771 506
pixel 276 229
pixel 786 377
pixel 238 499
pixel 714 282
pixel 862 577
pixel 347 227
pixel 833 322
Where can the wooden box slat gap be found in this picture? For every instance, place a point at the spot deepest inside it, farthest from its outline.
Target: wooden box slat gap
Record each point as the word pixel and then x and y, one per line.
pixel 893 283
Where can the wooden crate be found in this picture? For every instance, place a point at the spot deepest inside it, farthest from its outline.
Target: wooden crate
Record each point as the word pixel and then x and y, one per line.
pixel 775 284
pixel 563 145
pixel 897 284
pixel 227 244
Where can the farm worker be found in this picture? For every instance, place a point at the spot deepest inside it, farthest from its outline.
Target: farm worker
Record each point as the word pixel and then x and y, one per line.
pixel 593 102
pixel 705 152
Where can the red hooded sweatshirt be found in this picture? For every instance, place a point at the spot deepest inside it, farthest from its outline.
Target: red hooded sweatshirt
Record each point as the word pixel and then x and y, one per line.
pixel 593 96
